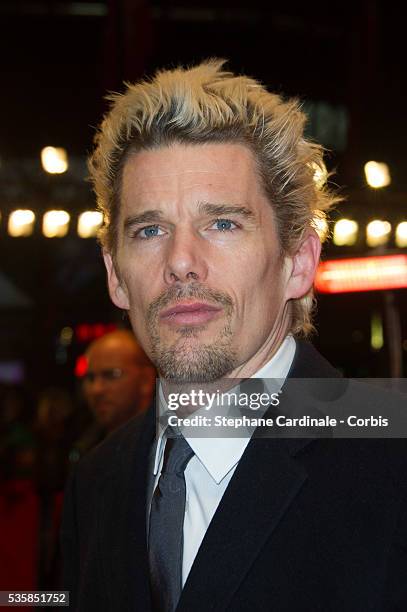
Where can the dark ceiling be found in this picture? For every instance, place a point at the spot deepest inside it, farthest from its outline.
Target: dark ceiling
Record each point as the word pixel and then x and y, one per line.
pixel 60 57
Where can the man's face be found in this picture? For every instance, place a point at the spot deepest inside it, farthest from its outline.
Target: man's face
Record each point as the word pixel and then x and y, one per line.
pixel 198 262
pixel 112 384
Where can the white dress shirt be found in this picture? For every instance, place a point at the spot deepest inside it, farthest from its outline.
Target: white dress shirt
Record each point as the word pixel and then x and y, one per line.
pixel 210 470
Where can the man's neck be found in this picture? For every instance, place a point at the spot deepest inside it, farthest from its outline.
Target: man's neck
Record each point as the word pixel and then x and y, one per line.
pixel 266 352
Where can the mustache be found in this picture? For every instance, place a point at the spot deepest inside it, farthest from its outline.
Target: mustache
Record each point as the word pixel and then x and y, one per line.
pixel 175 294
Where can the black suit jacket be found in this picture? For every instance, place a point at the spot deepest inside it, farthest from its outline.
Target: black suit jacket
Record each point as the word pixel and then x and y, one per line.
pixel 307 525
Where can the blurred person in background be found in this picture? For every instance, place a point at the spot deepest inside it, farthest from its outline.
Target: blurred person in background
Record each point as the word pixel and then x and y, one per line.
pixel 19 509
pixel 55 432
pixel 17 442
pixel 117 386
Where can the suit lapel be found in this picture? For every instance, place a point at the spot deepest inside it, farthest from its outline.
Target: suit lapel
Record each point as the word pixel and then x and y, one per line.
pixel 263 487
pixel 122 523
pixel 265 484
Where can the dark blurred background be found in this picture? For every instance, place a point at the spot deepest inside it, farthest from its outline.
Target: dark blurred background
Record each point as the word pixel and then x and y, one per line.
pixel 345 61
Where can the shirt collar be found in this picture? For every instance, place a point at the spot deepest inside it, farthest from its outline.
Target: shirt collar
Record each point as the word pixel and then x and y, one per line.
pixel 220 455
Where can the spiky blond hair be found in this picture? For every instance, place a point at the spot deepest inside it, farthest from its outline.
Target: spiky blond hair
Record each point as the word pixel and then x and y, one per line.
pixel 207 104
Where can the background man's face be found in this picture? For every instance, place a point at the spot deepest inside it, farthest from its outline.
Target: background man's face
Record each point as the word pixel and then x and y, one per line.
pixel 112 383
pixel 198 261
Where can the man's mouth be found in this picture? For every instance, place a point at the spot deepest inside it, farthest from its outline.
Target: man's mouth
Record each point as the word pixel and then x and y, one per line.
pixel 191 313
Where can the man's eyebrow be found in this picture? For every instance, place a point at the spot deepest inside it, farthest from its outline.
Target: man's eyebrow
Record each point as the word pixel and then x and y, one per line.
pixel 216 210
pixel 148 216
pixel 220 210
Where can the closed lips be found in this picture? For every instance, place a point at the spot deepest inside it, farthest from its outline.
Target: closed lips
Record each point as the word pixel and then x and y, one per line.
pixel 196 312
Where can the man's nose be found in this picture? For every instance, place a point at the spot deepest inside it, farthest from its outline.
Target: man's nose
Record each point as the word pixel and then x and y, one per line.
pixel 185 258
pixel 97 386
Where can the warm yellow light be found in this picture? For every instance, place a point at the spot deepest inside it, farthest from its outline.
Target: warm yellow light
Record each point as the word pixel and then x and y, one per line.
pixel 55 223
pixel 345 232
pixel 321 227
pixel 89 222
pixel 377 174
pixel 54 160
pixel 377 232
pixel 401 234
pixel 66 336
pixel 21 223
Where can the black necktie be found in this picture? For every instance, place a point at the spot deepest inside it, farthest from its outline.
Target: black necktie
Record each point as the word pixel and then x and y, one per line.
pixel 166 525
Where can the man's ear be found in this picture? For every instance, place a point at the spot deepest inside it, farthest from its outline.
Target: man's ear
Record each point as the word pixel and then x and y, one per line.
pixel 304 265
pixel 118 294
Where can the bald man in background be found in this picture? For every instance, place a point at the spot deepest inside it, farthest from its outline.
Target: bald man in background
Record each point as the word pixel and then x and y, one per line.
pixel 119 381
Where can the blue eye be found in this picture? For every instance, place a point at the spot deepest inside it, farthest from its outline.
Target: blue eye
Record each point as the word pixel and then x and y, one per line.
pixel 149 232
pixel 224 225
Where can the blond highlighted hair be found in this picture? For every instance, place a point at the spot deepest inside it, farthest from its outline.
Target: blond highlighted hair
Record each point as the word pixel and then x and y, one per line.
pixel 208 104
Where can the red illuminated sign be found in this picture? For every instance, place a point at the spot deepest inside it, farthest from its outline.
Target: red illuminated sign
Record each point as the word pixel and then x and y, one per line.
pixel 362 274
pixel 81 366
pixel 85 332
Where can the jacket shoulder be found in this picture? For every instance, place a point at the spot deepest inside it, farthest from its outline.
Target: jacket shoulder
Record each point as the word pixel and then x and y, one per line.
pixel 103 458
pixel 309 363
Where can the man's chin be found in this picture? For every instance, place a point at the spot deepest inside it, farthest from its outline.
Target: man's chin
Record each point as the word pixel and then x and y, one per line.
pixel 189 362
pixel 200 333
pixel 188 343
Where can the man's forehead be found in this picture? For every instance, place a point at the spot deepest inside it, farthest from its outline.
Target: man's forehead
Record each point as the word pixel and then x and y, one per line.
pixel 110 352
pixel 154 173
pixel 191 165
pixel 216 192
pixel 202 194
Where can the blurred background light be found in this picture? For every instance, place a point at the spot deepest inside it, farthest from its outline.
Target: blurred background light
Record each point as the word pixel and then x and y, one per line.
pixel 21 223
pixel 377 233
pixel 89 222
pixel 66 336
pixel 54 160
pixel 362 274
pixel 377 174
pixel 55 223
pixel 345 232
pixel 376 332
pixel 81 366
pixel 401 234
